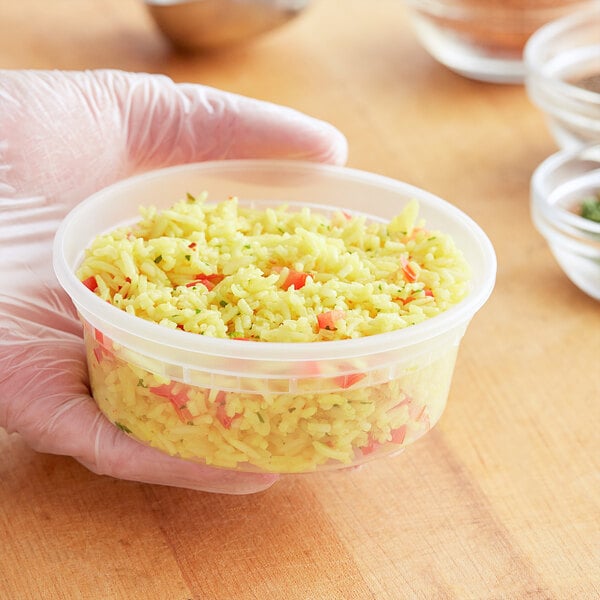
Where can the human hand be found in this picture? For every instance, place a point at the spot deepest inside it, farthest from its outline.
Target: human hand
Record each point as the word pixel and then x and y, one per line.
pixel 63 135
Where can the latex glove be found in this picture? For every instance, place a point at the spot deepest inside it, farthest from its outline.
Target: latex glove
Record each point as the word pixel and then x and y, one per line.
pixel 63 136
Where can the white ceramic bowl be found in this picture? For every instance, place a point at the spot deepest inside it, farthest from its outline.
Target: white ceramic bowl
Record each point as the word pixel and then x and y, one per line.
pixel 135 365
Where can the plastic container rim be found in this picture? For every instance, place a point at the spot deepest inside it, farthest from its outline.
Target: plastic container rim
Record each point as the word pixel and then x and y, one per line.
pixel 278 351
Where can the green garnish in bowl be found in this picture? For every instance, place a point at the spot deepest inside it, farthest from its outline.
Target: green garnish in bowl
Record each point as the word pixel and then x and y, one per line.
pixel 590 208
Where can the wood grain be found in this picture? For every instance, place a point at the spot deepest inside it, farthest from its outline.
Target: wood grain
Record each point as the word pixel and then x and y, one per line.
pixel 500 501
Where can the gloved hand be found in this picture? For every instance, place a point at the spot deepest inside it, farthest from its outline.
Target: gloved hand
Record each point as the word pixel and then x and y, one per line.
pixel 63 136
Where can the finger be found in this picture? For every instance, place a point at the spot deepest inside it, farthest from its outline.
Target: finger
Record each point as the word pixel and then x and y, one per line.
pixel 60 417
pixel 170 124
pixel 64 135
pixel 120 456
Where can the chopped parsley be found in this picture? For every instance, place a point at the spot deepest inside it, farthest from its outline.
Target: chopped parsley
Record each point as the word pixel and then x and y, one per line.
pixel 122 427
pixel 590 208
pixel 158 258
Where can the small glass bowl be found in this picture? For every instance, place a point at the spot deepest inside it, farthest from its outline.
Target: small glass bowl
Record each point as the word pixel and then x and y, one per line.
pixel 483 39
pixel 558 186
pixel 563 76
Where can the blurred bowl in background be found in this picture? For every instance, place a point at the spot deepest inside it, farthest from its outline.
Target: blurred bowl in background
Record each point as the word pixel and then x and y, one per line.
pixel 483 39
pixel 558 187
pixel 563 76
pixel 196 25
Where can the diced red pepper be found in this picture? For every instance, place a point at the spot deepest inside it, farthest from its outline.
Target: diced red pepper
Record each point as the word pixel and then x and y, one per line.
pixel 309 368
pixel 98 354
pixel 409 273
pixel 90 283
pixel 370 446
pixel 101 353
pixel 192 245
pixel 328 318
pixel 296 279
pixel 221 413
pixel 166 390
pixel 346 381
pixel 398 435
pixel 209 281
pixel 223 418
pixel 99 337
pixel 428 292
pixel 177 399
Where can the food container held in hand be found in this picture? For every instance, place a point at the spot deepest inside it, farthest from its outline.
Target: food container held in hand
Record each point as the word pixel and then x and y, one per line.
pixel 269 370
pixel 562 187
pixel 483 39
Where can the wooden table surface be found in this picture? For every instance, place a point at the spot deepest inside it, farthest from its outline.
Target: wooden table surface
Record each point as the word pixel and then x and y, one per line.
pixel 500 500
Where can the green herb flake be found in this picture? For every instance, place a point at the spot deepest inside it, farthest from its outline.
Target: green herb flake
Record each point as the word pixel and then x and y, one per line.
pixel 188 256
pixel 122 427
pixel 223 303
pixel 158 258
pixel 590 208
pixel 260 417
pixel 141 383
pixel 198 311
pixel 190 198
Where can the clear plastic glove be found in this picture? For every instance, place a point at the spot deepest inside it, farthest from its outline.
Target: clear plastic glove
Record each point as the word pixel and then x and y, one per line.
pixel 63 136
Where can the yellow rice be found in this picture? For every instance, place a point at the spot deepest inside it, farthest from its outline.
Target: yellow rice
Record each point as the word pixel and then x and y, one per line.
pixel 272 275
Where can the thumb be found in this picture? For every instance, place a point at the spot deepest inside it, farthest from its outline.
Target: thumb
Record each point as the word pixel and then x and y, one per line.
pixel 169 123
pixel 118 455
pixel 48 403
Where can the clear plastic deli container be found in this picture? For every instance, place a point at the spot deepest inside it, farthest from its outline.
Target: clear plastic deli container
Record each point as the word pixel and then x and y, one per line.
pixel 262 406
